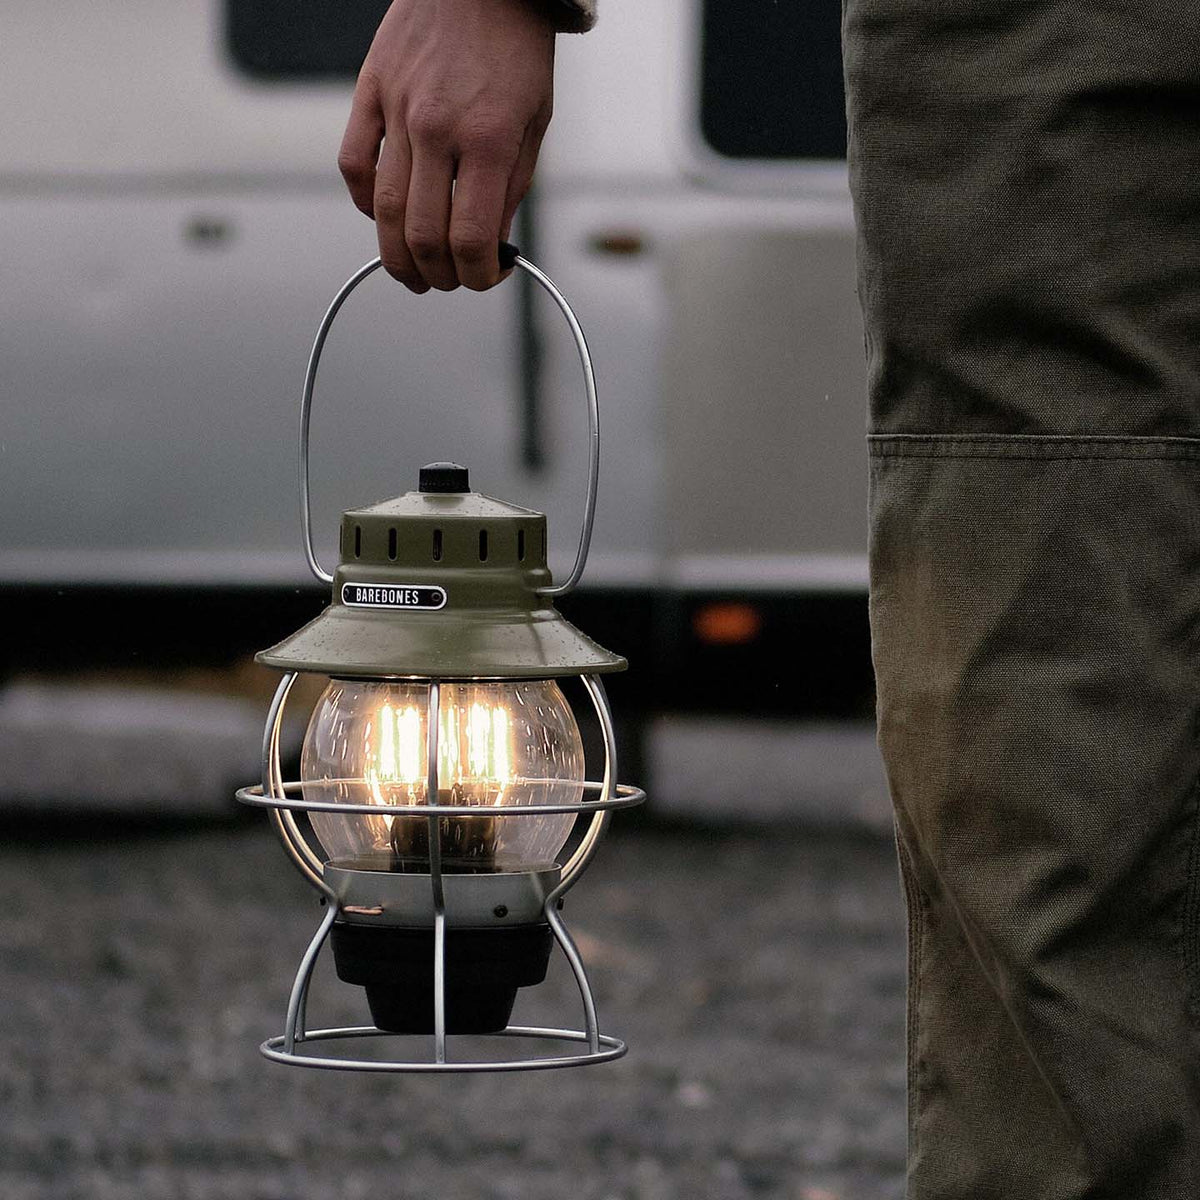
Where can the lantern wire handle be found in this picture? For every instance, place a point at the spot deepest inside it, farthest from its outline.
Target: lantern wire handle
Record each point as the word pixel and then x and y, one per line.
pixel 589 382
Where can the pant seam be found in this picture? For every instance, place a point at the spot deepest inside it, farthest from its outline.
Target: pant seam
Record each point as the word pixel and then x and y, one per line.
pixel 916 906
pixel 1034 439
pixel 1074 447
pixel 1191 912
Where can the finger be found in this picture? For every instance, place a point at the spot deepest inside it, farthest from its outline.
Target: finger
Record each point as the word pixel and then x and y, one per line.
pixel 427 219
pixel 522 173
pixel 359 151
pixel 475 221
pixel 391 205
pixel 521 178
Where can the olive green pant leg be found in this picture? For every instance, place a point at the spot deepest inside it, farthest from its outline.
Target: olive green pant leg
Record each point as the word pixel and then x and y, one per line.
pixel 1037 646
pixel 1027 189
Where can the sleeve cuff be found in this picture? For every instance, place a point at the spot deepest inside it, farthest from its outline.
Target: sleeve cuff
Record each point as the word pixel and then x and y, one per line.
pixel 573 16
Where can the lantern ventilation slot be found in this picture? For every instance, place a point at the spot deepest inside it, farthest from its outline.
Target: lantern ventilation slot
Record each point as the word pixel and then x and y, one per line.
pixel 483 546
pixel 520 545
pixel 358 541
pixel 437 545
pixel 392 543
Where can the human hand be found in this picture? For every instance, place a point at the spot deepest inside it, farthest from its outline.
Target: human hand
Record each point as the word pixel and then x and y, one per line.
pixel 459 93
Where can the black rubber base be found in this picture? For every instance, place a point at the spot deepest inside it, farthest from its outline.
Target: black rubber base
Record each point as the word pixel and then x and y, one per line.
pixel 484 969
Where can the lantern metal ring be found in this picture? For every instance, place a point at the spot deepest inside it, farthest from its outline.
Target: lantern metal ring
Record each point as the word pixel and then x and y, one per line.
pixel 626 796
pixel 508 256
pixel 610 1048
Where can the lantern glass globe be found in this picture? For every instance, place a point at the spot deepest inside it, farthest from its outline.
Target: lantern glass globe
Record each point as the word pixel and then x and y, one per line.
pixel 507 743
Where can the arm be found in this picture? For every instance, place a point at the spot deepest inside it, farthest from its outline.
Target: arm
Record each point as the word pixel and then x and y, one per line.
pixel 445 127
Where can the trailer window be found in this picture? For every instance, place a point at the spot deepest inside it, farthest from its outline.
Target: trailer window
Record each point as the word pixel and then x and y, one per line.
pixel 771 79
pixel 301 39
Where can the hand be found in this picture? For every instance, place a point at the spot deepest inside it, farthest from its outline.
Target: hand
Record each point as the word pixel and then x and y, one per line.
pixel 459 93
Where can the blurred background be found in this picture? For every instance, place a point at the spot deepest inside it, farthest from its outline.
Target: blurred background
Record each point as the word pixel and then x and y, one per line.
pixel 173 227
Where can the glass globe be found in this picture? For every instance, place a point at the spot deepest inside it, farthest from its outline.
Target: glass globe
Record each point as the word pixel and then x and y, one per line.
pixel 509 744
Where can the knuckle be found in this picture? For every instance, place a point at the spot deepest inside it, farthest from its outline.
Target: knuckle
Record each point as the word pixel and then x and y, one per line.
pixel 424 241
pixel 430 122
pixel 353 167
pixel 471 243
pixel 403 272
pixel 389 205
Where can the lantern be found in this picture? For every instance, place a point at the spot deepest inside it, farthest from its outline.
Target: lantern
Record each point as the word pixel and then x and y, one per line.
pixel 443 770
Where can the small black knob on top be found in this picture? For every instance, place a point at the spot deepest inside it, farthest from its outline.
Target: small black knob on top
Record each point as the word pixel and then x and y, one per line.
pixel 444 477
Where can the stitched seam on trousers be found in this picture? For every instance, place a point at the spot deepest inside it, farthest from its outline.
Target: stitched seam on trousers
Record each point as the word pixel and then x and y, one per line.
pixel 915 902
pixel 1082 447
pixel 1191 912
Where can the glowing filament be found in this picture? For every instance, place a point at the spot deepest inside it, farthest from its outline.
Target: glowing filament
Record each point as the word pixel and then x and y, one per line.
pixel 473 754
pixel 508 743
pixel 399 757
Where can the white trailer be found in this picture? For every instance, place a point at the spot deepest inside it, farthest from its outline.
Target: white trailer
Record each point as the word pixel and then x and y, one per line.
pixel 173 226
pixel 174 223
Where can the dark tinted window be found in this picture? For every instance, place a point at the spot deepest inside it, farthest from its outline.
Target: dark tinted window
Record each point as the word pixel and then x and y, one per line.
pixel 301 39
pixel 771 79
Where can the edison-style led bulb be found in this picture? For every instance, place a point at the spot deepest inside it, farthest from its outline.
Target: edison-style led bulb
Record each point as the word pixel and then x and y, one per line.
pixel 506 744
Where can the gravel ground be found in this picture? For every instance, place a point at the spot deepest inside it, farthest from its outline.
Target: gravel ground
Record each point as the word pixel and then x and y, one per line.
pixel 757 976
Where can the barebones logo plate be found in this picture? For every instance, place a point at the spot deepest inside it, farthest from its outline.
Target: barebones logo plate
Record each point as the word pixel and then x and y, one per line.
pixel 393 595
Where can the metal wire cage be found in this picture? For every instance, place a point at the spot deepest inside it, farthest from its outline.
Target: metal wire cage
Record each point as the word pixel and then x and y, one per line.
pixel 280 799
pixel 283 800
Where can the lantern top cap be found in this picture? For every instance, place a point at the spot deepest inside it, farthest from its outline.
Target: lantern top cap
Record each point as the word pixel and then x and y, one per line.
pixel 441 477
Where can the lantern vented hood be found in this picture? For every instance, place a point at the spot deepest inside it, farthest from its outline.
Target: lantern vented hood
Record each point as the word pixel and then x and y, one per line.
pixel 446 584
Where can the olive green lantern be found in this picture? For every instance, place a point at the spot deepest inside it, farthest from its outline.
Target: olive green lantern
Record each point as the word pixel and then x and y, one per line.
pixel 443 770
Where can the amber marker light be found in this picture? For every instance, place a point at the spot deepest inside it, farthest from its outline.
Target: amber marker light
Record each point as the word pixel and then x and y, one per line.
pixel 727 623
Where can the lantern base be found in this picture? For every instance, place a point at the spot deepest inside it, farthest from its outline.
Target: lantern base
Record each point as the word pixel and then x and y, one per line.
pixel 607 1049
pixel 369 895
pixel 484 970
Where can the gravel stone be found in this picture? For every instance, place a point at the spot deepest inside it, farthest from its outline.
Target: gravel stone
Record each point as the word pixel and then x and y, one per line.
pixel 757 976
